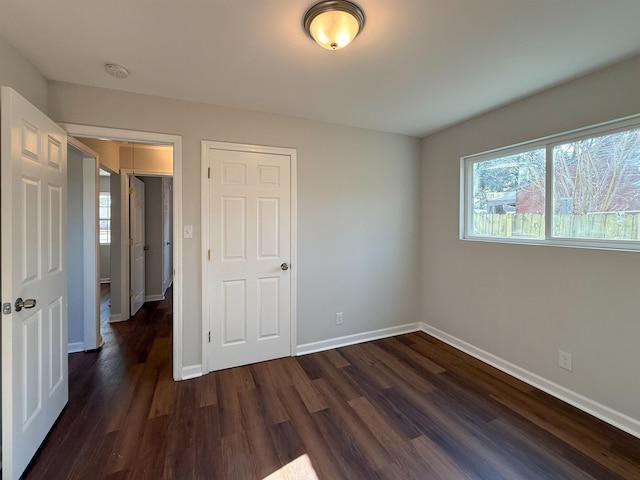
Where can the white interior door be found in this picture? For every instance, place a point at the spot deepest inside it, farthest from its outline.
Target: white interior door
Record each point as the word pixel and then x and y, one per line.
pixel 166 234
pixel 250 239
pixel 136 231
pixel 33 256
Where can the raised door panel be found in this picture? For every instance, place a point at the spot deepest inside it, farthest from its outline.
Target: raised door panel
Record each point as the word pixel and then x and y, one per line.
pixel 32 374
pixel 54 233
pixel 268 228
pixel 57 354
pixel 234 312
pixel 268 307
pixel 234 228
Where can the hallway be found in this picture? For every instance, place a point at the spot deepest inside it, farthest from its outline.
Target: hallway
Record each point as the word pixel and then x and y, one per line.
pixel 101 429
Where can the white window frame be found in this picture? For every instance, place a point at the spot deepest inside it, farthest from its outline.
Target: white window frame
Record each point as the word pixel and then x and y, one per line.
pixel 466 188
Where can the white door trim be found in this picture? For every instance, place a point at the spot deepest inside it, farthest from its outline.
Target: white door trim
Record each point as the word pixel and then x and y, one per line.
pixel 91 324
pixel 176 142
pixel 204 206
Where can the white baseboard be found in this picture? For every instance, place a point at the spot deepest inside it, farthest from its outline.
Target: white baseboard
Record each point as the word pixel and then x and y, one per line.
pixel 168 285
pixel 337 342
pixel 192 371
pixel 113 318
pixel 153 298
pixel 604 413
pixel 75 347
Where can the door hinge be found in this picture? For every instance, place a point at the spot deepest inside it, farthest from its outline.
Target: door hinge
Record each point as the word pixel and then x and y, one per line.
pixel 208 254
pixel 131 242
pixel 130 190
pixel 209 337
pixel 209 172
pixel 130 293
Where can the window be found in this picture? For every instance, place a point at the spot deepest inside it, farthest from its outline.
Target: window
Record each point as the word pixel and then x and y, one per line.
pixel 578 189
pixel 508 195
pixel 105 217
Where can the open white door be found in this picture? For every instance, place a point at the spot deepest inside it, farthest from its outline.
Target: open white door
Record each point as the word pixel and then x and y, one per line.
pixel 166 234
pixel 33 256
pixel 136 231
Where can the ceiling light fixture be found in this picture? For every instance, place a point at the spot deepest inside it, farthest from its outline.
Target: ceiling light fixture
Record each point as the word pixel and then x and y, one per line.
pixel 115 70
pixel 334 23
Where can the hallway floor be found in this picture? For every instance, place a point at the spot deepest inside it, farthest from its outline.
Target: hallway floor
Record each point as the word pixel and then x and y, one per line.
pixel 102 427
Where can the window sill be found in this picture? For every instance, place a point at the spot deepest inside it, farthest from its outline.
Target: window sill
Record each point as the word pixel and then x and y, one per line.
pixel 618 246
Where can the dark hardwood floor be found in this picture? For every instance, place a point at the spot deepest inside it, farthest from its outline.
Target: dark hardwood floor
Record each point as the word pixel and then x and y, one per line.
pixel 403 407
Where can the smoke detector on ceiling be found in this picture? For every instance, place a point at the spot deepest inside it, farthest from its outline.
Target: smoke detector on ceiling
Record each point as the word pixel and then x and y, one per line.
pixel 115 70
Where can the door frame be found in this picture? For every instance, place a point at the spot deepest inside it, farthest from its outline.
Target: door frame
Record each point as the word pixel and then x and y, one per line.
pixel 176 142
pixel 205 232
pixel 90 249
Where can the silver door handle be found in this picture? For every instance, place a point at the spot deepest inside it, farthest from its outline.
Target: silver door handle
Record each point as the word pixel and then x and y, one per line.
pixel 28 303
pixel 284 266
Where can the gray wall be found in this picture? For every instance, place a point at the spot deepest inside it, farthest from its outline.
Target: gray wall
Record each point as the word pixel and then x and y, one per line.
pixel 105 263
pixel 18 73
pixel 108 152
pixel 358 205
pixel 75 247
pixel 153 235
pixel 105 183
pixel 524 303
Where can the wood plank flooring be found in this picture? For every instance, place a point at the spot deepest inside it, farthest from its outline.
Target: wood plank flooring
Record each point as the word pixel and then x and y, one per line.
pixel 405 407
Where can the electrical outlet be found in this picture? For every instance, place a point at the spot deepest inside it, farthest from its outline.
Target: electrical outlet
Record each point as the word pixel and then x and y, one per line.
pixel 564 360
pixel 339 318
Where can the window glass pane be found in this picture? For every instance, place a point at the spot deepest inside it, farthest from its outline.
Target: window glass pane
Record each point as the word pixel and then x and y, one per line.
pixel 509 196
pixel 104 213
pixel 596 183
pixel 105 236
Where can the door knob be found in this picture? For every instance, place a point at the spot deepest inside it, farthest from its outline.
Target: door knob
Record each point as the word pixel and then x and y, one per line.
pixel 28 303
pixel 284 266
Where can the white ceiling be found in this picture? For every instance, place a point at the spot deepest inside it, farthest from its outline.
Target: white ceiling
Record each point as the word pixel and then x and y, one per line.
pixel 418 66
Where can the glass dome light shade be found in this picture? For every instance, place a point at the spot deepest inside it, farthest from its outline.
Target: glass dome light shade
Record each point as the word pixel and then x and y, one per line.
pixel 333 24
pixel 334 30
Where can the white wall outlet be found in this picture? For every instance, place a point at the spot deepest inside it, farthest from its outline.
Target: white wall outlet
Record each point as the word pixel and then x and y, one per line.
pixel 187 231
pixel 339 318
pixel 564 360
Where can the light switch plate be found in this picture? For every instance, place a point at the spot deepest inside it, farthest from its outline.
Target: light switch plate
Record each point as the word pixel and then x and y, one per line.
pixel 187 231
